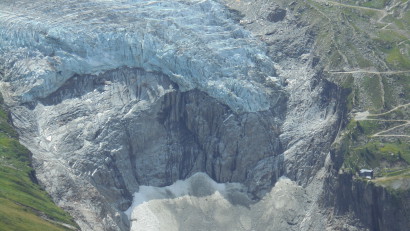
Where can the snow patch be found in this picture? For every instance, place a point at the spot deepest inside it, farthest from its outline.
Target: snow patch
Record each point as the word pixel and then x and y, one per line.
pixel 199 203
pixel 197 185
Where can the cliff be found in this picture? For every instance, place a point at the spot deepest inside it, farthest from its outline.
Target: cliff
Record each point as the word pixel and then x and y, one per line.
pixel 377 207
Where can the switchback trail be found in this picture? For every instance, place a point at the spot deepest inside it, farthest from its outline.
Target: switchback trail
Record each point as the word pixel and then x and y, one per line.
pixel 369 72
pixel 363 116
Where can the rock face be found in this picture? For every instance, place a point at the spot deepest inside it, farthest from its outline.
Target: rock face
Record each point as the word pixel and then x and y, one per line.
pixel 277 15
pixel 377 207
pixel 111 95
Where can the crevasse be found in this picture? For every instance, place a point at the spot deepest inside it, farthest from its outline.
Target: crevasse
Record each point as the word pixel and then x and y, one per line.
pixel 195 43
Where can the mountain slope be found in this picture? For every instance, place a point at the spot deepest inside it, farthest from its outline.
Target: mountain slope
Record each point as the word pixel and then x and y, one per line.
pixel 363 47
pixel 113 97
pixel 24 204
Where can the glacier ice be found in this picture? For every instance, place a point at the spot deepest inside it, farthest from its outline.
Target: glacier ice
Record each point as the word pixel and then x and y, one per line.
pixel 195 42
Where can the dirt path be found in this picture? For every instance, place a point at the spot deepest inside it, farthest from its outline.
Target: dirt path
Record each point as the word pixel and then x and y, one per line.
pixel 392 110
pixel 369 72
pixel 363 116
pixel 345 59
pixel 378 134
pixel 356 7
pixel 384 13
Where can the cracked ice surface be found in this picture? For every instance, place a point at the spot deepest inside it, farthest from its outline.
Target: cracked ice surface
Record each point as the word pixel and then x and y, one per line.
pixel 196 43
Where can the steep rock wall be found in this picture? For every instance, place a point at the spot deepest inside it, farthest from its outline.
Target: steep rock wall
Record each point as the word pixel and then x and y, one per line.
pixel 377 207
pixel 113 132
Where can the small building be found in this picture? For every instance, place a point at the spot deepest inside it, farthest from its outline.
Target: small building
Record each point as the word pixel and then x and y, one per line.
pixel 366 173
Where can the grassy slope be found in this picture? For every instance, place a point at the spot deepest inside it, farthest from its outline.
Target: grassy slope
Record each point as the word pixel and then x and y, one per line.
pixel 23 204
pixel 372 39
pixel 387 35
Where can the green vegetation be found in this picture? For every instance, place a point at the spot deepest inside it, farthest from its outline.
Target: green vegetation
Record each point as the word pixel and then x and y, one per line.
pixel 402 172
pixel 373 154
pixel 365 32
pixel 365 47
pixel 396 59
pixel 373 92
pixel 389 156
pixel 23 204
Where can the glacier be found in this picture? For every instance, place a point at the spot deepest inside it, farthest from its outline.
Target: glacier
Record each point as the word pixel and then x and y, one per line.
pixel 196 43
